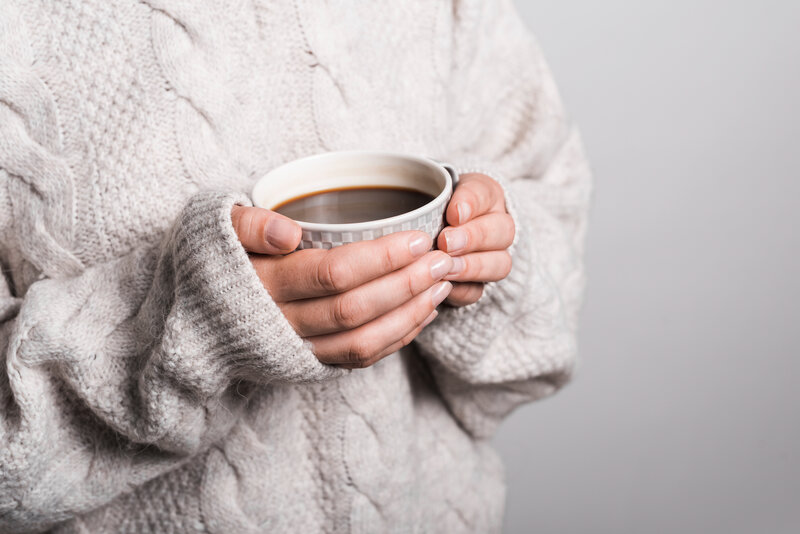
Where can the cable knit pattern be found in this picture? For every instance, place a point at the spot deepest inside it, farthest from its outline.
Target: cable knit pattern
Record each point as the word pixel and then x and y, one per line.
pixel 151 384
pixel 29 128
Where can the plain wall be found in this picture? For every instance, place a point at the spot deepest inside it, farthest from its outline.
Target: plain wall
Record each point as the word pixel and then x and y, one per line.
pixel 684 416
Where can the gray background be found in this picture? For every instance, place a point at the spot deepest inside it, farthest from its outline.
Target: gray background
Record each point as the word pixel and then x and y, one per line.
pixel 684 417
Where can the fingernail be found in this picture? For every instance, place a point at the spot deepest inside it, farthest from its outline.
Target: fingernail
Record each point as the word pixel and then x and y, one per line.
pixel 455 239
pixel 441 267
pixel 429 319
pixel 281 233
pixel 458 265
pixel 440 292
pixel 464 211
pixel 420 245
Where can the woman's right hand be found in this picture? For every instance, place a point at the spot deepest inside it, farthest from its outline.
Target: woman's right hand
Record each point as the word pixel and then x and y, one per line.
pixel 356 303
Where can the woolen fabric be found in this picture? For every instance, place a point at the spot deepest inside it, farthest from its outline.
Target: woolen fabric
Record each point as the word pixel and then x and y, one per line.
pixel 150 382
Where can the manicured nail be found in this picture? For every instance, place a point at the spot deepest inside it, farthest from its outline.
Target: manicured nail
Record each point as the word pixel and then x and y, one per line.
pixel 429 319
pixel 464 211
pixel 441 267
pixel 440 292
pixel 420 245
pixel 281 233
pixel 455 239
pixel 458 265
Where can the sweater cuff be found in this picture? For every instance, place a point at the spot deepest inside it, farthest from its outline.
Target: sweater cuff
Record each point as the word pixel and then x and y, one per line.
pixel 217 284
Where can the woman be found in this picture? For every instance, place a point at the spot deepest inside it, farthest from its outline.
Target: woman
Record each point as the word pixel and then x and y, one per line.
pixel 168 369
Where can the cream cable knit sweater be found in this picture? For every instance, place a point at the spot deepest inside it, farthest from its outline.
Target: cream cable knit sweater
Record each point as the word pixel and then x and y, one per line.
pixel 150 383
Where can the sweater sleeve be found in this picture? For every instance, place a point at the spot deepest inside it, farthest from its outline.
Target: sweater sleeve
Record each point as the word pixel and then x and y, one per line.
pixel 129 368
pixel 517 343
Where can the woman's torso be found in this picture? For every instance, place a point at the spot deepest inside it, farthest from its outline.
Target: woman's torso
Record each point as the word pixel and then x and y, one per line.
pixel 140 104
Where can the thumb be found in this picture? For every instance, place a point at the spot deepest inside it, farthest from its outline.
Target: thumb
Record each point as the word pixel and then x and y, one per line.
pixel 265 232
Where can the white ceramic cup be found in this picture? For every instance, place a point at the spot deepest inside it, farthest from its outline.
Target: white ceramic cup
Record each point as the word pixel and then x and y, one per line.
pixel 333 170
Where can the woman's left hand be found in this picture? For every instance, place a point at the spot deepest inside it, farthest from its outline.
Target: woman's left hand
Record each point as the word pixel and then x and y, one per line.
pixel 479 233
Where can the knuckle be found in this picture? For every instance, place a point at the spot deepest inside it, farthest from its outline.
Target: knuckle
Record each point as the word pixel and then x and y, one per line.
pixel 484 183
pixel 477 186
pixel 492 188
pixel 481 234
pixel 471 194
pixel 387 259
pixel 359 353
pixel 410 287
pixel 473 266
pixel 480 267
pixel 332 276
pixel 463 191
pixel 473 178
pixel 253 223
pixel 348 312
pixel 242 220
pixel 467 272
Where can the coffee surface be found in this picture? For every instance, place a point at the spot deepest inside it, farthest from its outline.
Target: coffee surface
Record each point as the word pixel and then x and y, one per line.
pixel 353 205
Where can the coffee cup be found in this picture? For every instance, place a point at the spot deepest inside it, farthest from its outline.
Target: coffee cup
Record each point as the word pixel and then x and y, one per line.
pixel 357 172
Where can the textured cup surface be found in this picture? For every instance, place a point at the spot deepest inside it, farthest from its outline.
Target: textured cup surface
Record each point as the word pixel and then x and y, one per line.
pixel 334 170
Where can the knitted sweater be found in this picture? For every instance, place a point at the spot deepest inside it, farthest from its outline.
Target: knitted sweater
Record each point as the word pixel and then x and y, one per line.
pixel 150 382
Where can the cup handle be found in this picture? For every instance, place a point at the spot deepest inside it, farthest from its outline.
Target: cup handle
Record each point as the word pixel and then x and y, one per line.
pixel 450 170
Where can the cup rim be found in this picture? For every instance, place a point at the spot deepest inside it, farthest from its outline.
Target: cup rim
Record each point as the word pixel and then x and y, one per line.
pixel 374 224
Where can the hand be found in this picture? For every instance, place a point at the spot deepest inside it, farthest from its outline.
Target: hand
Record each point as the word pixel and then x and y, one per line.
pixel 478 237
pixel 355 303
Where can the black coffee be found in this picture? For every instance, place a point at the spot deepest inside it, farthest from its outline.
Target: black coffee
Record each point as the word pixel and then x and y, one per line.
pixel 353 204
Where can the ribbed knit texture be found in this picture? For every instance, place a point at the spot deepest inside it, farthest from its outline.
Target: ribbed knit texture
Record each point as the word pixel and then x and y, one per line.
pixel 150 382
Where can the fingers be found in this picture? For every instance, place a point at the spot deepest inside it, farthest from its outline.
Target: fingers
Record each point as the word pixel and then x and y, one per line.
pixel 493 231
pixel 403 342
pixel 351 309
pixel 465 293
pixel 475 195
pixel 317 273
pixel 265 232
pixel 478 237
pixel 481 267
pixel 365 345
